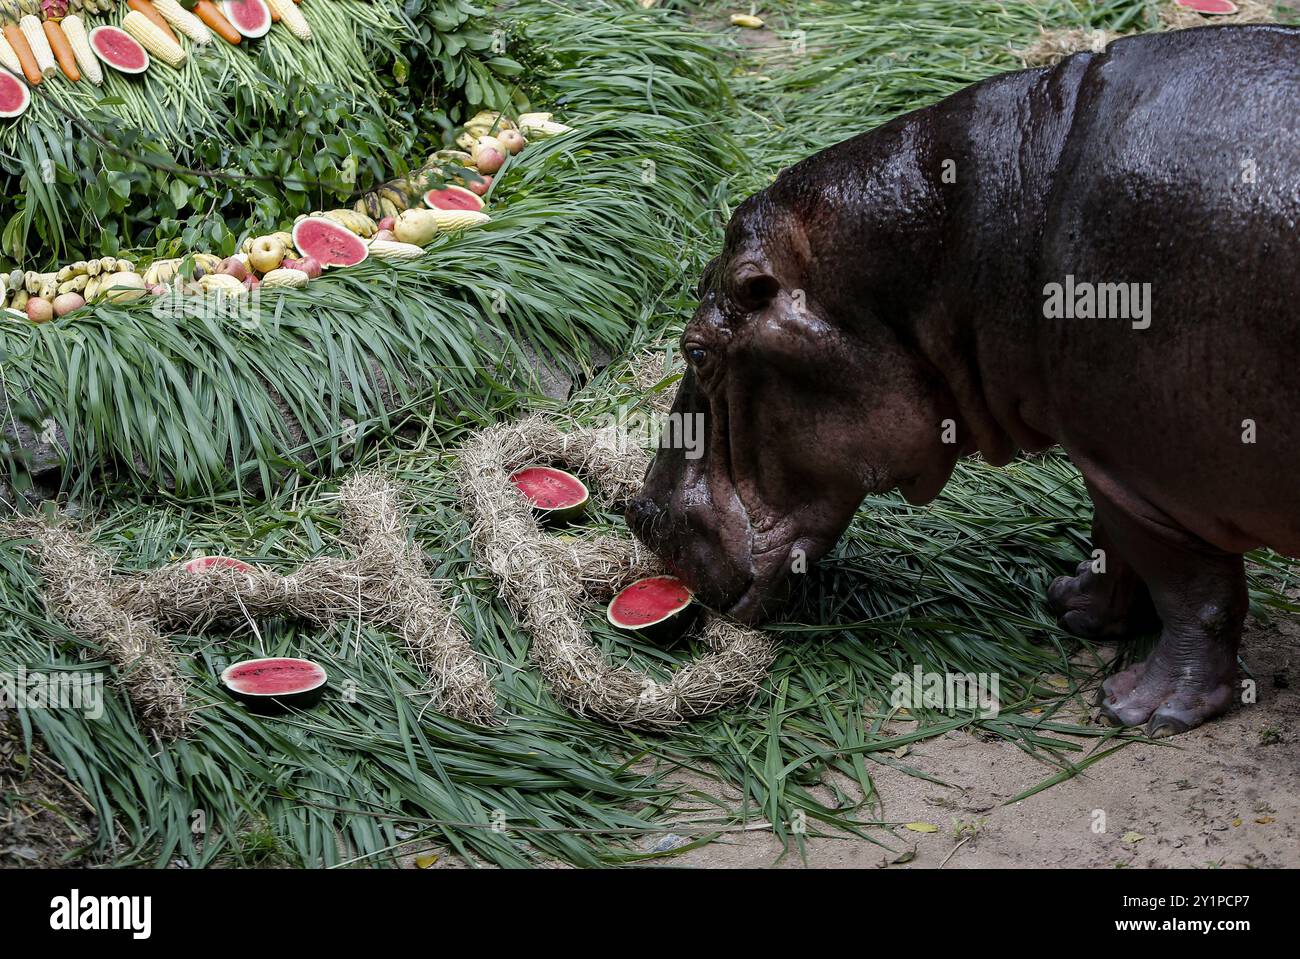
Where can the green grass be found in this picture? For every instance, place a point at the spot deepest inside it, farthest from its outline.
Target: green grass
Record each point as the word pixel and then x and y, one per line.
pixel 953 587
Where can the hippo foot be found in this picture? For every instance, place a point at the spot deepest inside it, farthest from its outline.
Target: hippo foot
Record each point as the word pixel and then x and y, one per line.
pixel 1170 700
pixel 1099 605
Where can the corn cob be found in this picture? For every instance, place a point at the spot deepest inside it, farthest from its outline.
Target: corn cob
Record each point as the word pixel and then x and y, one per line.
pixel 40 45
pixel 153 39
pixel 183 21
pixel 291 17
pixel 78 39
pixel 9 58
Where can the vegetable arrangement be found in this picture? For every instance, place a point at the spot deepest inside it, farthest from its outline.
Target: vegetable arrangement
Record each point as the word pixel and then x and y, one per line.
pixel 451 184
pixel 42 39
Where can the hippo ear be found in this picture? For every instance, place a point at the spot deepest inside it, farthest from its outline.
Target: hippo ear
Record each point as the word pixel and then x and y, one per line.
pixel 755 288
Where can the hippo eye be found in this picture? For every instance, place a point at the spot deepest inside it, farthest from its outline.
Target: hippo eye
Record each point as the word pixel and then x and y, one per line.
pixel 697 354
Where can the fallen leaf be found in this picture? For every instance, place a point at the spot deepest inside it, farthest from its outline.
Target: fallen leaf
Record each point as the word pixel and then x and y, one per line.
pixel 1132 837
pixel 921 827
pixel 1237 821
pixel 1265 820
pixel 900 752
pixel 427 860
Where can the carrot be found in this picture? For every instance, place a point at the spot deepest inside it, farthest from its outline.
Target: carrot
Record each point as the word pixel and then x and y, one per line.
pixel 207 11
pixel 14 34
pixel 150 11
pixel 62 50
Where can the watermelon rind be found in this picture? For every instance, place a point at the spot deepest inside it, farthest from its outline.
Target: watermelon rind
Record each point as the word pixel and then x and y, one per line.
pixel 469 200
pixel 12 88
pixel 309 695
pixel 554 515
pixel 238 15
pixel 324 256
pixel 119 36
pixel 670 625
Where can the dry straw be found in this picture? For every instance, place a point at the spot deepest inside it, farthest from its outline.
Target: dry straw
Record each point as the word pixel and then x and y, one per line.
pixel 1054 45
pixel 550 582
pixel 384 583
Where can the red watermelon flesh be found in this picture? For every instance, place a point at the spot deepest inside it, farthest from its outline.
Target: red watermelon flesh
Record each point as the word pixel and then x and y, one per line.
pixel 279 676
pixel 453 198
pixel 119 50
pixel 330 243
pixel 14 95
pixel 1208 6
pixel 252 18
pixel 648 601
pixel 547 488
pixel 216 562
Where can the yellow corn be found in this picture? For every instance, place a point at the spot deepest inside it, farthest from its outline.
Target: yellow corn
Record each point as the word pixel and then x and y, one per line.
pixel 9 58
pixel 291 17
pixel 153 39
pixel 79 40
pixel 183 21
pixel 40 44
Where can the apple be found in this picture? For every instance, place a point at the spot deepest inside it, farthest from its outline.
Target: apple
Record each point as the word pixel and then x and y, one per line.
pixel 65 303
pixel 308 264
pixel 234 266
pixel 479 186
pixel 512 140
pixel 266 253
pixel 386 223
pixel 40 310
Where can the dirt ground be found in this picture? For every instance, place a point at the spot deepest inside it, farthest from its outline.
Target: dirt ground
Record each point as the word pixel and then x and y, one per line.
pixel 1223 795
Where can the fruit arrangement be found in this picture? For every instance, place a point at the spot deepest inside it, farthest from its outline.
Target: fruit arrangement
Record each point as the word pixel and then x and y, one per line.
pixel 385 224
pixel 42 38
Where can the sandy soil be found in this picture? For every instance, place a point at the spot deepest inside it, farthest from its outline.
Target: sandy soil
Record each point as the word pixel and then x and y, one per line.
pixel 1222 795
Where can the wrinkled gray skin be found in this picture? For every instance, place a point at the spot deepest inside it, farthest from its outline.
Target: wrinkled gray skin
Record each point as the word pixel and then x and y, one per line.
pixel 862 300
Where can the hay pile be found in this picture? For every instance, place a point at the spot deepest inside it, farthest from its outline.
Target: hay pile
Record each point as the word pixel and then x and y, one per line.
pixel 80 589
pixel 548 582
pixel 1054 45
pixel 384 583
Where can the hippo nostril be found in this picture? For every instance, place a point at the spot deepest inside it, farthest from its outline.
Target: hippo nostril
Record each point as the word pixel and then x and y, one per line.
pixel 640 514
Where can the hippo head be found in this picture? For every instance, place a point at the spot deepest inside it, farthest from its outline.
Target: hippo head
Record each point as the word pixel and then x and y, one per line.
pixel 809 396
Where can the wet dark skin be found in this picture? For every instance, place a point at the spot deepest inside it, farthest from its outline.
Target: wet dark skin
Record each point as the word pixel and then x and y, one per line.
pixel 875 294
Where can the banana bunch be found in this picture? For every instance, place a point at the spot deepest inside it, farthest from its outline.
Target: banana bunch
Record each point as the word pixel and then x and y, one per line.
pixel 389 199
pixel 488 123
pixel 362 224
pixel 81 277
pixel 13 290
pixel 168 270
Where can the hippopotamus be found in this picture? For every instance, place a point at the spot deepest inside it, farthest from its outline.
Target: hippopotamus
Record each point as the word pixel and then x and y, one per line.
pixel 1101 255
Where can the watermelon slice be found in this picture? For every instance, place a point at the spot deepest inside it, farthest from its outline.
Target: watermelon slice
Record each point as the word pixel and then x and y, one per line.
pixel 14 95
pixel 453 198
pixel 556 496
pixel 658 608
pixel 119 50
pixel 329 243
pixel 275 684
pixel 201 563
pixel 252 18
pixel 1215 8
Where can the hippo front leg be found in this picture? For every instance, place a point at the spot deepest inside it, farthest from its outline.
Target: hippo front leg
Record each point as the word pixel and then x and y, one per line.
pixel 1199 593
pixel 1105 597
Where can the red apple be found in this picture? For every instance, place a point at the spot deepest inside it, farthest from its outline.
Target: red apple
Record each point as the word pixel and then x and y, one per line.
pixel 234 266
pixel 308 264
pixel 386 223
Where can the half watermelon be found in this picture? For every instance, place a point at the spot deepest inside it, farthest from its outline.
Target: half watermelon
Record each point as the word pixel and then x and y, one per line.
pixel 14 95
pixel 252 18
pixel 330 243
pixel 555 496
pixel 453 198
pixel 275 684
pixel 659 608
pixel 119 49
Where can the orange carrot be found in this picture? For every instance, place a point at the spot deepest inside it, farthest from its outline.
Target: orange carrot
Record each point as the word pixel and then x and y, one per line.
pixel 207 11
pixel 62 50
pixel 150 11
pixel 14 34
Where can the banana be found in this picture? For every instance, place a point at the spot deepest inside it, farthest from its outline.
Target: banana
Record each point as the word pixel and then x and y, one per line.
pixel 92 268
pixel 74 285
pixel 108 264
pixel 124 266
pixel 92 287
pixel 388 208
